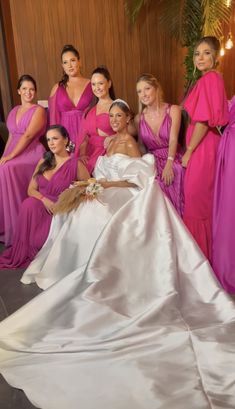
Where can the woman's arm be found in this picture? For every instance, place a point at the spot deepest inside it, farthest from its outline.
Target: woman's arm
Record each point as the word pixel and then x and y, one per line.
pixel 199 132
pixel 82 172
pixel 118 183
pixel 35 125
pixel 168 174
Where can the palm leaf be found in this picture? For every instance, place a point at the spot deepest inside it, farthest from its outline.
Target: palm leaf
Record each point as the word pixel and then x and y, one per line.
pixel 215 12
pixel 133 8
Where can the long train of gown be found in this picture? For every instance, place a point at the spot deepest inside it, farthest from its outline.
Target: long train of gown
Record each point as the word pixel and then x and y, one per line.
pixel 223 255
pixel 15 174
pixel 144 325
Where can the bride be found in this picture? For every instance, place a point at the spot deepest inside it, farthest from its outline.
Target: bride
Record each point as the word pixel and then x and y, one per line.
pixel 139 321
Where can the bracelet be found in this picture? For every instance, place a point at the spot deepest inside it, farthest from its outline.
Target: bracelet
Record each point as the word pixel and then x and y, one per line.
pixel 170 158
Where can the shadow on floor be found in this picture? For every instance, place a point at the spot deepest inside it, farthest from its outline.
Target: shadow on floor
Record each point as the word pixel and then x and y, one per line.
pixel 13 294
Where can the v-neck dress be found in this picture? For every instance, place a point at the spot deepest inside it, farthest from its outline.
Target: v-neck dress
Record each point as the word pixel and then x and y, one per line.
pixel 63 111
pixel 158 145
pixel 15 174
pixel 34 221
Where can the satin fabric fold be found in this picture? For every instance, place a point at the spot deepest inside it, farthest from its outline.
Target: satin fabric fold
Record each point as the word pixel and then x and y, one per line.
pixel 144 325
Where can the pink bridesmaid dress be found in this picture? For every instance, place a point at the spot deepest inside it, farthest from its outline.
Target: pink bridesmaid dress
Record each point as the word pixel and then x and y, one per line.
pixel 206 102
pixel 91 124
pixel 15 174
pixel 158 145
pixel 34 221
pixel 223 254
pixel 62 110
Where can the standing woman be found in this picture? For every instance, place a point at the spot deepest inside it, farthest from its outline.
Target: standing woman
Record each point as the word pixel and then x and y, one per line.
pixel 158 127
pixel 71 96
pixel 26 123
pixel 206 105
pixel 96 126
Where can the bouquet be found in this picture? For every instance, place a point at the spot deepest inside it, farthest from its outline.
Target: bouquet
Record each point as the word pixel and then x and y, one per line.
pixel 77 193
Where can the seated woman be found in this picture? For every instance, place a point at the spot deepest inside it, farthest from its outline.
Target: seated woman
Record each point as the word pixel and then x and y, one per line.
pixel 158 127
pixel 71 96
pixel 95 126
pixel 26 123
pixel 143 308
pixel 52 175
pixel 77 236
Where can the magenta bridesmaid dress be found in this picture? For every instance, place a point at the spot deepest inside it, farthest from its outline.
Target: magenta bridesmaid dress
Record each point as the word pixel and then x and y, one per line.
pixel 90 125
pixel 15 174
pixel 223 255
pixel 158 145
pixel 34 221
pixel 62 110
pixel 206 102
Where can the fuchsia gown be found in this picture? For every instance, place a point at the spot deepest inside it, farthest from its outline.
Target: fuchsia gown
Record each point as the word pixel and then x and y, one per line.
pixel 89 128
pixel 63 111
pixel 34 221
pixel 206 102
pixel 158 146
pixel 15 174
pixel 223 255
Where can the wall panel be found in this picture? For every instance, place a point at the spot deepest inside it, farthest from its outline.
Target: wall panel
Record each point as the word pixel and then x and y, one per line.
pixel 103 34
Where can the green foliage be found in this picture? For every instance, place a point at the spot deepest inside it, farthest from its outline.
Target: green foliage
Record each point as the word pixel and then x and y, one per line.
pixel 187 21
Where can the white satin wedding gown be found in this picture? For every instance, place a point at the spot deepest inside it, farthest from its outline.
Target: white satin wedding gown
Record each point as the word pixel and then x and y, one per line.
pixel 142 324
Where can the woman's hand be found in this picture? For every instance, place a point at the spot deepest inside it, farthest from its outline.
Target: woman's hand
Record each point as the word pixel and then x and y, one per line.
pixel 168 173
pixel 5 159
pixel 186 157
pixel 49 205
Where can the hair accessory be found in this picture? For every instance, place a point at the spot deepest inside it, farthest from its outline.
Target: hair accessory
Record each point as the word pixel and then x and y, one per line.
pixel 122 101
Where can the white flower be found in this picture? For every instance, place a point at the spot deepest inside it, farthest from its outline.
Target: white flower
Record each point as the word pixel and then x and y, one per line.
pixel 93 189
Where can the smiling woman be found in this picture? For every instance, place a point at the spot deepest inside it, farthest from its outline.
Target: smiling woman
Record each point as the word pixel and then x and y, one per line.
pixel 207 107
pixel 95 126
pixel 26 123
pixel 70 97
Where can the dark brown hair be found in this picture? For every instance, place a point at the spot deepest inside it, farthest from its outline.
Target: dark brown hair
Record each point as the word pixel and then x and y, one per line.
pixel 26 77
pixel 49 157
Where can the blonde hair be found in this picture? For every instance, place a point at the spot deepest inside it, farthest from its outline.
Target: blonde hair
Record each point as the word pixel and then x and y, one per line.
pixel 151 80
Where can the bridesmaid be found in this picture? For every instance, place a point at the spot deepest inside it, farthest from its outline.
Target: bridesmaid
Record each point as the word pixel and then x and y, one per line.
pixel 71 96
pixel 158 127
pixel 52 175
pixel 96 126
pixel 223 255
pixel 206 105
pixel 26 123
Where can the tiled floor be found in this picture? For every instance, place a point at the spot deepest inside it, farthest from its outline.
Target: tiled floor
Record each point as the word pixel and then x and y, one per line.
pixel 13 295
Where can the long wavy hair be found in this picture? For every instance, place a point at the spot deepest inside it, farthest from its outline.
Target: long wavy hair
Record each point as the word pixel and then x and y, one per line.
pixel 106 74
pixel 65 49
pixel 49 157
